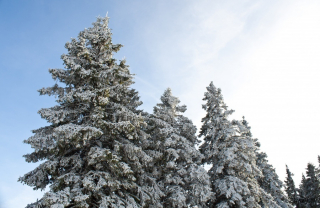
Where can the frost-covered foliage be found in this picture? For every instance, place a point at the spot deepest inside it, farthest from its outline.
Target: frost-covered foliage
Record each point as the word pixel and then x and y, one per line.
pixel 231 152
pixel 91 151
pixel 290 188
pixel 100 151
pixel 269 181
pixel 183 182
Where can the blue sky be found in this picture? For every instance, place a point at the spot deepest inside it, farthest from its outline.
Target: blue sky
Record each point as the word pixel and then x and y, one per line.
pixel 264 55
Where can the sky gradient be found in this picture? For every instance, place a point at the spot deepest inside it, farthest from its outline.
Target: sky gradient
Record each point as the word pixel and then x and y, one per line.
pixel 264 55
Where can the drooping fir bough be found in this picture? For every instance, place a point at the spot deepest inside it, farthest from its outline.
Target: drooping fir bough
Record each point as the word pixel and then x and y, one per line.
pixel 91 149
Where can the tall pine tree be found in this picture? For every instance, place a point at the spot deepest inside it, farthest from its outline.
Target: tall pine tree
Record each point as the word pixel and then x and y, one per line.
pixel 231 152
pixel 184 183
pixel 90 151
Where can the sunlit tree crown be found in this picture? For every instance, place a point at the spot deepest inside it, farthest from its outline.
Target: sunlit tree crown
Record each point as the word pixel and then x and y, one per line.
pixel 90 151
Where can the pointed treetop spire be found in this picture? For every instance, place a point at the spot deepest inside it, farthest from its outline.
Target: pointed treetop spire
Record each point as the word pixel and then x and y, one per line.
pixel 231 152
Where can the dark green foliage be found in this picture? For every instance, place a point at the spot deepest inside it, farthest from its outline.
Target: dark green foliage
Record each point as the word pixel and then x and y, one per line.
pixel 290 188
pixel 308 193
pixel 310 189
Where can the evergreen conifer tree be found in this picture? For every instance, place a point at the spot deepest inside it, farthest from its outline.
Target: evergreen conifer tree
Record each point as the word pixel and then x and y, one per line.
pixel 232 155
pixel 91 149
pixel 184 183
pixel 302 202
pixel 310 188
pixel 291 189
pixel 269 181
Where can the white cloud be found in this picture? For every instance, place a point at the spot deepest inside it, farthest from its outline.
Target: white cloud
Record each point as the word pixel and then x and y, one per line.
pixel 264 56
pixel 281 95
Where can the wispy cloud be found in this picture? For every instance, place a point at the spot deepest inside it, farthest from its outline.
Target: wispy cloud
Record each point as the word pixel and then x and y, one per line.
pixel 262 54
pixel 281 94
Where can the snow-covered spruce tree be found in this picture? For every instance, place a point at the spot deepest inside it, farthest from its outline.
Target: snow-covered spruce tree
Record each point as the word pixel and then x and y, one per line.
pixel 290 188
pixel 310 189
pixel 232 155
pixel 269 181
pixel 183 182
pixel 91 149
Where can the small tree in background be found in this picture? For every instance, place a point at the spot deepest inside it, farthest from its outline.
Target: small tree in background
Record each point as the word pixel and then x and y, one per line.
pixel 183 181
pixel 91 149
